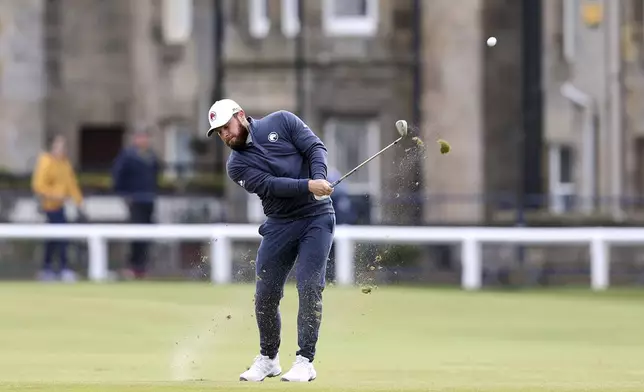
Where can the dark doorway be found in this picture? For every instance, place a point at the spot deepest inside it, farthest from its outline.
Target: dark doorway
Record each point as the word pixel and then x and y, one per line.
pixel 639 172
pixel 99 145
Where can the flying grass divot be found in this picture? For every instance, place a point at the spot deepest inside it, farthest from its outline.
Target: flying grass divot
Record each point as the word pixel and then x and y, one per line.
pixel 444 146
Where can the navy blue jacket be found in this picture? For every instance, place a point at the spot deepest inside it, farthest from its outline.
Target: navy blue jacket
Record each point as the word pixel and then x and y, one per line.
pixel 280 157
pixel 135 175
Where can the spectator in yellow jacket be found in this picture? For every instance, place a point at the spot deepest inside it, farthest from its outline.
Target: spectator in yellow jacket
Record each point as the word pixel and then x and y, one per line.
pixel 54 182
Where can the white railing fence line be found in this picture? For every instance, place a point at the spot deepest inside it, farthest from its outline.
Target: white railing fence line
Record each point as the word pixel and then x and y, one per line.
pixel 220 237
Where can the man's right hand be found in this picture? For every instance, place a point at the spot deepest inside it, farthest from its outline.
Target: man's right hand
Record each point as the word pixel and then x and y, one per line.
pixel 320 187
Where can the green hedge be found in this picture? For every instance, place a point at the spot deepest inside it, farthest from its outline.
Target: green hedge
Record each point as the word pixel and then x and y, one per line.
pixel 101 183
pixel 545 218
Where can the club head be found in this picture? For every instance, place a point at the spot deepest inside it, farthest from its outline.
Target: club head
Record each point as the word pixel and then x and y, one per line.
pixel 401 127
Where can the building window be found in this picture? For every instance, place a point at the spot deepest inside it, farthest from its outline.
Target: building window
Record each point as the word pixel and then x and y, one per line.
pixel 259 19
pixel 98 146
pixel 350 141
pixel 571 12
pixel 178 152
pixel 639 171
pixel 53 41
pixel 350 17
pixel 634 47
pixel 177 21
pixel 290 18
pixel 561 175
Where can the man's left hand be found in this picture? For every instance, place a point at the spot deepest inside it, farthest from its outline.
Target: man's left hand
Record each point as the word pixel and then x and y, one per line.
pixel 320 187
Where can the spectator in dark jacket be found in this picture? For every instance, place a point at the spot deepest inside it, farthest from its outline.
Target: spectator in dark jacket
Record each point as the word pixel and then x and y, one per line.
pixel 135 177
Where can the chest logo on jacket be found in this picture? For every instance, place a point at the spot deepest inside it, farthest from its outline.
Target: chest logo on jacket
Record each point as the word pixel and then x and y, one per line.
pixel 272 137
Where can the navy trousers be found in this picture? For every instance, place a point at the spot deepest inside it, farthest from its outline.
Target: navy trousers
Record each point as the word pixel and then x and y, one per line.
pixel 140 213
pixel 309 241
pixel 58 246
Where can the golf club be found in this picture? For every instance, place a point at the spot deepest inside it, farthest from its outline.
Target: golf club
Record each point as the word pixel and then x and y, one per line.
pixel 401 127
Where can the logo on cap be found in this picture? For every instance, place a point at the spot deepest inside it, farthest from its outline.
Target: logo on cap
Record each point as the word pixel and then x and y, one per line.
pixel 213 116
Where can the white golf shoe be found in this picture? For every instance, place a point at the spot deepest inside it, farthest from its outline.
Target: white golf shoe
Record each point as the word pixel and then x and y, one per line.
pixel 302 371
pixel 261 368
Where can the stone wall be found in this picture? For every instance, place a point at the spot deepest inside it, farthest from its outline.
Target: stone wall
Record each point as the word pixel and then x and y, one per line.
pixel 22 83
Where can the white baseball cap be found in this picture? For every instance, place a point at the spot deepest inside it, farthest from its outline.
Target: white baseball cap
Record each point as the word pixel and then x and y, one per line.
pixel 220 113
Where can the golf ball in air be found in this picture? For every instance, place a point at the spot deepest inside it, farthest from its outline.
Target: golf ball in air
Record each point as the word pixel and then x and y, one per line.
pixel 491 41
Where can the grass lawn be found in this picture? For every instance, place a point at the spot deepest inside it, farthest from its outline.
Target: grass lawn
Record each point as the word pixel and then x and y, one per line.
pixel 198 337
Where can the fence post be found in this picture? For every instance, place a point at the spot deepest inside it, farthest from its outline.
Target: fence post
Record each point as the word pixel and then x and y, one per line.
pixel 471 261
pixel 344 261
pixel 599 264
pixel 97 264
pixel 220 259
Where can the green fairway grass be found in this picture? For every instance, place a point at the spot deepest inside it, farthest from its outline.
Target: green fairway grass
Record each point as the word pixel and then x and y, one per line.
pixel 198 337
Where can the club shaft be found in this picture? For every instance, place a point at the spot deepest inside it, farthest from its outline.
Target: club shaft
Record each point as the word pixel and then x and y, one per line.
pixel 365 162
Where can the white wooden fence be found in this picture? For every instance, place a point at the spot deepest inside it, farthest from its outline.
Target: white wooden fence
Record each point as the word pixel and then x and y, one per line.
pixel 220 237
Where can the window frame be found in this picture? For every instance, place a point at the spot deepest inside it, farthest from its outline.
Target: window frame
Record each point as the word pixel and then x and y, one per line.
pixel 171 133
pixel 177 21
pixel 571 15
pixel 352 26
pixel 558 190
pixel 259 22
pixel 290 14
pixel 259 19
pixel 371 136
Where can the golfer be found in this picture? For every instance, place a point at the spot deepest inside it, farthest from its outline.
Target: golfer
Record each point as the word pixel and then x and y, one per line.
pixel 281 160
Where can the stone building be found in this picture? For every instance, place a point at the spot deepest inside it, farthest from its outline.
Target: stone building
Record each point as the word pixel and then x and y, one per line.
pixel 350 68
pixel 118 65
pixel 347 67
pixel 554 107
pixel 100 69
pixel 593 83
pixel 94 70
pixel 472 97
pixel 583 96
pixel 588 124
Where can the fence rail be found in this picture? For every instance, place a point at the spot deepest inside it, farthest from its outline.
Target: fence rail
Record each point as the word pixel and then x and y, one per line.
pixel 220 237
